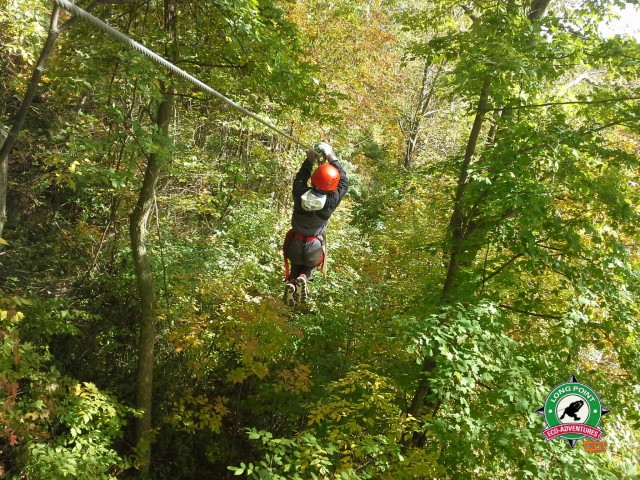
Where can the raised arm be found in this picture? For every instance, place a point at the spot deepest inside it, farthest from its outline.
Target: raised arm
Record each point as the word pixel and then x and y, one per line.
pixel 301 182
pixel 343 184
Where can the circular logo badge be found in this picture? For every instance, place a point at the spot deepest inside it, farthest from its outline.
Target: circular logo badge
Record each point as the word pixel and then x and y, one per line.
pixel 572 411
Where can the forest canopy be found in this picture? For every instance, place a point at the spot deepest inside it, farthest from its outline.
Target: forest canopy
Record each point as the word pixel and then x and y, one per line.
pixel 486 253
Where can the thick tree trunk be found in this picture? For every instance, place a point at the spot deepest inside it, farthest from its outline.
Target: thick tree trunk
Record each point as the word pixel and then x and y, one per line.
pixel 146 287
pixel 146 290
pixel 144 275
pixel 45 53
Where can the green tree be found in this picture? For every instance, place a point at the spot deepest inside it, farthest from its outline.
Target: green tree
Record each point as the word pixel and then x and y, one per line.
pixel 523 233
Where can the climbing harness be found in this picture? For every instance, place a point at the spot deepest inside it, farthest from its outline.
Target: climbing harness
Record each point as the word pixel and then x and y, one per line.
pixel 290 235
pixel 122 38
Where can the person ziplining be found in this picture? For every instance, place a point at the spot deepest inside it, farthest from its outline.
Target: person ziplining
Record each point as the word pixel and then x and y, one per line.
pixel 312 207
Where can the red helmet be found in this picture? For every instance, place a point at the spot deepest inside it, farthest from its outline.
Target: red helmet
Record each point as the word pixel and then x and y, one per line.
pixel 325 177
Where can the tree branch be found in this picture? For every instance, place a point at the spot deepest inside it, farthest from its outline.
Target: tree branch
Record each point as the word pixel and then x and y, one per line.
pixel 575 102
pixel 555 316
pixel 501 268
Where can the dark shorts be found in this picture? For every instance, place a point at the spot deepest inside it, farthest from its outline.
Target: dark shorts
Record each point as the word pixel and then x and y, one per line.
pixel 305 253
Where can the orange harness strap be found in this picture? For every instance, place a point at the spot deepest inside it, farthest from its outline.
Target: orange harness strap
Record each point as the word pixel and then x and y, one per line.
pixel 285 246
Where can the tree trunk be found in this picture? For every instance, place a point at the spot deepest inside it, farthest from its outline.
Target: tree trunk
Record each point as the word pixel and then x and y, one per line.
pixel 4 181
pixel 146 286
pixel 458 221
pixel 538 9
pixel 143 271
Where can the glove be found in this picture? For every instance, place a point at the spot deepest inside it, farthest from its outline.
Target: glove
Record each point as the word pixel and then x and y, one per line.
pixel 326 150
pixel 312 156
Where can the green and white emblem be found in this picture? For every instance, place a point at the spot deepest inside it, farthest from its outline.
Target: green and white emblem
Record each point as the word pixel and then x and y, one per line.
pixel 572 411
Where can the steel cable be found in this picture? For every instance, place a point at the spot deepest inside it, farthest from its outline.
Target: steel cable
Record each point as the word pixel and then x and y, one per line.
pixel 121 37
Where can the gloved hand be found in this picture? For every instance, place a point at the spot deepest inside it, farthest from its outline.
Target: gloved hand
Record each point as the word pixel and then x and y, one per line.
pixel 326 150
pixel 313 156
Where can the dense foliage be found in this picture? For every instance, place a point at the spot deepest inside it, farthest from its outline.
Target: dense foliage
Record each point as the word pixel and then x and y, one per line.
pixel 487 248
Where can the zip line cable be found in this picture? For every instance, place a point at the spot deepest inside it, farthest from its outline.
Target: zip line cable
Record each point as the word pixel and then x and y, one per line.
pixel 122 38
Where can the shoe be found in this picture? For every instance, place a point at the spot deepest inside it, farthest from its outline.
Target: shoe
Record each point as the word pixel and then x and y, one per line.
pixel 289 294
pixel 302 291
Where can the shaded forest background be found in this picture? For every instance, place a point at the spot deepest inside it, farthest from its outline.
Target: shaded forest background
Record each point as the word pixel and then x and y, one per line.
pixel 487 249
